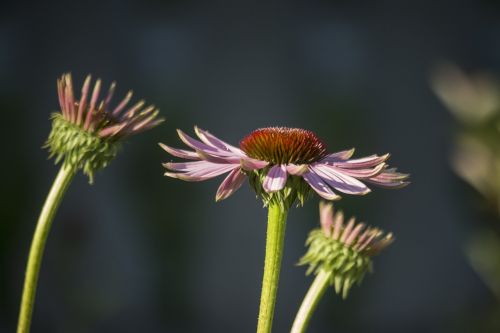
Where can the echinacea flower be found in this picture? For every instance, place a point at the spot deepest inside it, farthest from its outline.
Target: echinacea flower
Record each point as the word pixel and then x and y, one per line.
pixel 282 165
pixel 86 131
pixel 280 161
pixel 343 250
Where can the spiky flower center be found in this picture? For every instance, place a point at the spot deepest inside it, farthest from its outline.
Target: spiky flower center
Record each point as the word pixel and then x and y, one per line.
pixel 283 145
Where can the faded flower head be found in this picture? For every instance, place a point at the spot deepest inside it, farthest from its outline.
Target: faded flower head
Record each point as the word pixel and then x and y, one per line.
pixel 343 249
pixel 283 164
pixel 87 131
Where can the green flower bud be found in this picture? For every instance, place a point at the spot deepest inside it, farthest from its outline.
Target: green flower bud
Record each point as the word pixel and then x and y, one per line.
pixel 344 250
pixel 86 134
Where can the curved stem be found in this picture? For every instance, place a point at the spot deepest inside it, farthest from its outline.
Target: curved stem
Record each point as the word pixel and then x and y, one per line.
pixel 49 209
pixel 310 302
pixel 276 223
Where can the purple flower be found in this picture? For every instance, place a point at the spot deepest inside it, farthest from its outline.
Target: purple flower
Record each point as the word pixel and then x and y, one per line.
pixel 279 154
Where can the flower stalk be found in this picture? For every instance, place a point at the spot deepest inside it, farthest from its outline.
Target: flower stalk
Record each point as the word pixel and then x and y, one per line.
pixel 54 198
pixel 275 240
pixel 310 302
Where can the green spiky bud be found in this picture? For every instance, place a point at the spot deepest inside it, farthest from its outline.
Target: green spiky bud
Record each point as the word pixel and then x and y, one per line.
pixel 86 134
pixel 81 149
pixel 344 250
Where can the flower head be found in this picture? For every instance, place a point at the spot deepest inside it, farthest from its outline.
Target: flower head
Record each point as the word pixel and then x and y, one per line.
pixel 87 131
pixel 343 249
pixel 282 164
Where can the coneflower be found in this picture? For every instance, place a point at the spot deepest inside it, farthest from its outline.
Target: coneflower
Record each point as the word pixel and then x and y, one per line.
pixel 339 254
pixel 85 135
pixel 283 165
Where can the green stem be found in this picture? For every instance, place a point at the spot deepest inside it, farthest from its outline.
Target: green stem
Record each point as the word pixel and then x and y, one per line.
pixel 49 209
pixel 310 302
pixel 276 223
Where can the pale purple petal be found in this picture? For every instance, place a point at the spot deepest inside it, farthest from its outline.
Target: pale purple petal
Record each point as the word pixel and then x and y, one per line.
pixel 340 156
pixel 297 170
pixel 359 173
pixel 232 159
pixel 339 181
pixel 275 179
pixel 231 183
pixel 213 141
pixel 198 171
pixel 364 162
pixel 390 179
pixel 250 164
pixel 318 185
pixel 200 146
pixel 181 153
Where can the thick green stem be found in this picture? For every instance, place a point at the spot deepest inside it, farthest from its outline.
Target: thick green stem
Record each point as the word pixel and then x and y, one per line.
pixel 310 302
pixel 276 223
pixel 49 209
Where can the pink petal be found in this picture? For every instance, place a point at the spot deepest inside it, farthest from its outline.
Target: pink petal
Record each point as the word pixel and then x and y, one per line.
pixel 318 185
pixel 390 179
pixel 326 217
pixel 218 159
pixel 297 170
pixel 181 153
pixel 347 230
pixel 250 164
pixel 364 162
pixel 198 171
pixel 213 141
pixel 355 233
pixel 231 183
pixel 359 173
pixel 339 181
pixel 340 156
pixel 275 179
pixel 339 224
pixel 200 146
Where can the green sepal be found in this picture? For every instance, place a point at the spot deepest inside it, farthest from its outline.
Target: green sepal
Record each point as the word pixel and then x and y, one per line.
pixel 348 266
pixel 296 189
pixel 79 148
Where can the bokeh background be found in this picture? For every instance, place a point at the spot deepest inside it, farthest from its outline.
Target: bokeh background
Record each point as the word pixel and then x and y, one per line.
pixel 137 252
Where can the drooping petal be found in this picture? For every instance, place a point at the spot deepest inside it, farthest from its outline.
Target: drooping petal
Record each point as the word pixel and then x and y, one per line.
pixel 275 179
pixel 250 164
pixel 181 153
pixel 340 156
pixel 196 171
pixel 231 183
pixel 364 162
pixel 390 178
pixel 339 181
pixel 359 173
pixel 297 170
pixel 318 185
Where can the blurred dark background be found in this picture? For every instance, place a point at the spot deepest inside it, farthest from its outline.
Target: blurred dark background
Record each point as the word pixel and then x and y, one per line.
pixel 137 252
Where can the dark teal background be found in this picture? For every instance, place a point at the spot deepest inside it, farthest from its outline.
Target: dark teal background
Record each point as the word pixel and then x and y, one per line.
pixel 138 252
